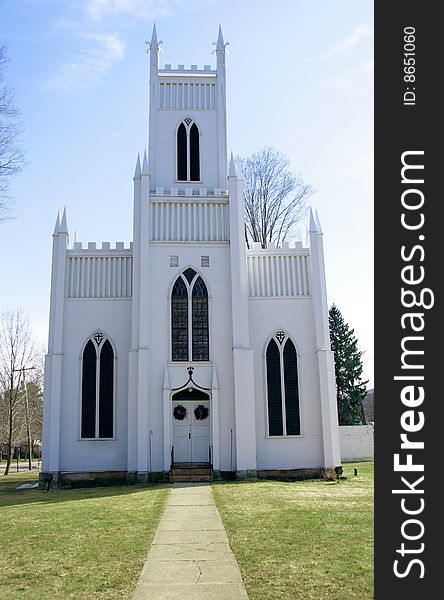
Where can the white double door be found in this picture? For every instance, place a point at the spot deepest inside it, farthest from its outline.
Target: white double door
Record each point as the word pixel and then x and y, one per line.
pixel 191 436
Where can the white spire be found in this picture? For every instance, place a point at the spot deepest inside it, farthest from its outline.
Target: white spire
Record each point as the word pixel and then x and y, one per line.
pixel 137 171
pixel 318 223
pixel 312 227
pixel 154 44
pixel 76 239
pixel 232 172
pixel 145 164
pixel 57 224
pixel 154 41
pixel 63 224
pixel 220 44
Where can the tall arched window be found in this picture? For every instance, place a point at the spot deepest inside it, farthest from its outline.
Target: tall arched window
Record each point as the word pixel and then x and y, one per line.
pixel 98 388
pixel 188 154
pixel 282 386
pixel 179 320
pixel 189 318
pixel 194 153
pixel 182 154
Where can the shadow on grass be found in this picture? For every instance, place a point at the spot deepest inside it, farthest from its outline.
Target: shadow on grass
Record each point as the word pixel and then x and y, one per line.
pixel 10 496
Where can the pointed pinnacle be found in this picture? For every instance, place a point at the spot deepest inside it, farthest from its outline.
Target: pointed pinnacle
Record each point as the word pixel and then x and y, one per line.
pixel 313 228
pixel 76 238
pixel 63 224
pixel 145 164
pixel 57 224
pixel 232 168
pixel 318 223
pixel 154 36
pixel 137 171
pixel 220 45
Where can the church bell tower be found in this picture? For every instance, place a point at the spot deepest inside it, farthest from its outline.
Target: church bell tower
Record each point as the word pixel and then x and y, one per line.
pixel 187 123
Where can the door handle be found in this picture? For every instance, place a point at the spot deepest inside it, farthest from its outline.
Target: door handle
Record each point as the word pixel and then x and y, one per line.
pixel 189 435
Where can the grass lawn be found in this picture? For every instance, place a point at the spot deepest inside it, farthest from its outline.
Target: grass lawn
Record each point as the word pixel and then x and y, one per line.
pixel 81 543
pixel 303 540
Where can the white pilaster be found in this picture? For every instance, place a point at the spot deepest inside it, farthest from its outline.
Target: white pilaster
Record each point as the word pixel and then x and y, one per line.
pixel 54 358
pixel 215 420
pixel 329 412
pixel 221 109
pixel 245 434
pixel 135 311
pixel 154 48
pixel 166 422
pixel 138 412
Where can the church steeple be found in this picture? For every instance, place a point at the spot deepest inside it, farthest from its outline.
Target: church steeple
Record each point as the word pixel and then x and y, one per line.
pixel 154 37
pixel 220 44
pixel 154 47
pixel 187 123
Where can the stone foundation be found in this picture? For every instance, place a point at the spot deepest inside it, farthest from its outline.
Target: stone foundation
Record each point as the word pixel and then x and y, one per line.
pixel 290 474
pixel 92 479
pixel 107 478
pixel 243 475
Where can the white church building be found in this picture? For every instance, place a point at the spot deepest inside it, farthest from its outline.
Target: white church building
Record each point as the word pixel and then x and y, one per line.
pixel 185 347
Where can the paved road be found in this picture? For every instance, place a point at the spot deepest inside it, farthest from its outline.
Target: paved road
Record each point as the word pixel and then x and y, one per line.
pixel 23 466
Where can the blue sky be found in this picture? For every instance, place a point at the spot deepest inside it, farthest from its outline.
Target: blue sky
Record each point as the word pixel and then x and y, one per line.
pixel 299 77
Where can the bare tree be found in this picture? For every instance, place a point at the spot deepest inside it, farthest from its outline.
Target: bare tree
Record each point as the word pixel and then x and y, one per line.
pixel 32 413
pixel 17 353
pixel 274 197
pixel 11 154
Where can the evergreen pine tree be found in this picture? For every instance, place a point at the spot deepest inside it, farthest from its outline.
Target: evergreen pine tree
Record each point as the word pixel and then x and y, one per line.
pixel 350 389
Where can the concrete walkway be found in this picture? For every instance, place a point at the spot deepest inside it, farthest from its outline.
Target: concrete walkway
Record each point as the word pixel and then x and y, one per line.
pixel 190 558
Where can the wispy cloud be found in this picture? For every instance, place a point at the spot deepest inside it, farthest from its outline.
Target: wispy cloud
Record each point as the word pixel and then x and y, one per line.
pixel 359 34
pixel 354 80
pixel 93 60
pixel 86 29
pixel 148 9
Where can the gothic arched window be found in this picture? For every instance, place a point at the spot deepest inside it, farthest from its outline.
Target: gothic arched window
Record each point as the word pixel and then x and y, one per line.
pixel 97 388
pixel 194 153
pixel 282 386
pixel 189 318
pixel 200 320
pixel 182 154
pixel 179 320
pixel 188 154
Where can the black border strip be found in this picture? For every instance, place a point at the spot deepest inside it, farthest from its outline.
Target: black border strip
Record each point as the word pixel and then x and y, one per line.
pixel 400 128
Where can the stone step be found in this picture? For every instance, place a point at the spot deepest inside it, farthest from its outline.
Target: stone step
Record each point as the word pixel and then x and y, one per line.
pixel 196 471
pixel 191 478
pixel 191 465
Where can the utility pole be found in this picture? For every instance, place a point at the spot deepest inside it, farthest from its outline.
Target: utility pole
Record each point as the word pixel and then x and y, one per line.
pixel 28 423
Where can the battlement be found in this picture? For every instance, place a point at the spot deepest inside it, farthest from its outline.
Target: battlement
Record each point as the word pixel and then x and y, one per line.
pixel 283 249
pixel 105 248
pixel 193 70
pixel 189 190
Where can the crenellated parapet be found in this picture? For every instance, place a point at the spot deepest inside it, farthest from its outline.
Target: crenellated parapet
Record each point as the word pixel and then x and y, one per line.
pixel 99 271
pixel 278 272
pixel 104 247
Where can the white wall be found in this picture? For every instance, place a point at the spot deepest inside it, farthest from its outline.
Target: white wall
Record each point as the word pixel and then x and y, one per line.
pixel 356 442
pixel 295 317
pixel 83 318
pixel 168 121
pixel 217 278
